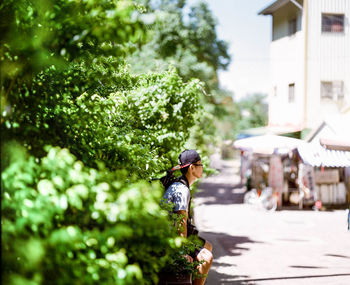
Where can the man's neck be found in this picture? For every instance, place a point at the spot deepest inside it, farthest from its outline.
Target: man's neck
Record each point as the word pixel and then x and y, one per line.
pixel 190 178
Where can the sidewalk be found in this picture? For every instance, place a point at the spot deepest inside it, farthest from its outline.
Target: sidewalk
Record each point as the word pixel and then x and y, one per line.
pixel 258 247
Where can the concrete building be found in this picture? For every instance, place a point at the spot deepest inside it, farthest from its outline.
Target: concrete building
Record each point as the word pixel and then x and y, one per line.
pixel 309 62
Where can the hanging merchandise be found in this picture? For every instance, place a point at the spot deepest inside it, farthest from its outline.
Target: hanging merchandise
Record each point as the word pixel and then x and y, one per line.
pixel 306 181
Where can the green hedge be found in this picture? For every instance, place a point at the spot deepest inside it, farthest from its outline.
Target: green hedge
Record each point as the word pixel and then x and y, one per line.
pixel 81 139
pixel 64 223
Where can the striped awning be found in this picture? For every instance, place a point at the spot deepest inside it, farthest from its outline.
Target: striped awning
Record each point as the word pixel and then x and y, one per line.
pixel 316 155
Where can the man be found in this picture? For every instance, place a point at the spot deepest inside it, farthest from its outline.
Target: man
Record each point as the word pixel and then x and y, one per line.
pixel 179 194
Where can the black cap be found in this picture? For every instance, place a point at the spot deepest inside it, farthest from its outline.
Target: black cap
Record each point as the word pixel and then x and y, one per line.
pixel 189 156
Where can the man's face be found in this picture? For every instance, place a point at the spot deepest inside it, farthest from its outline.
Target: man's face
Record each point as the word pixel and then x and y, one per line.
pixel 197 169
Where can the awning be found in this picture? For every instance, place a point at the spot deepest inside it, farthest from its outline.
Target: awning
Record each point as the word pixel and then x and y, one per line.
pixel 269 10
pixel 335 144
pixel 273 7
pixel 316 155
pixel 267 144
pixel 268 130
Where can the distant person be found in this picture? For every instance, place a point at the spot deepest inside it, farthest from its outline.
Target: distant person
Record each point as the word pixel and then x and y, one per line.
pixel 178 193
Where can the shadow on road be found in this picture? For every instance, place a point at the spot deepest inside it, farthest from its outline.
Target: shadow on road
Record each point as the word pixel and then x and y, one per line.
pixel 224 248
pixel 223 189
pixel 222 278
pixel 229 245
pixel 337 255
pixel 293 277
pixel 220 193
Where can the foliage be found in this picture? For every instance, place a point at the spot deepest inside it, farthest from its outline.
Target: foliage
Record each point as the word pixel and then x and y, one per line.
pixel 253 111
pixel 177 263
pixel 249 112
pixel 69 105
pixel 189 42
pixel 144 117
pixel 79 212
pixel 37 34
pixel 63 222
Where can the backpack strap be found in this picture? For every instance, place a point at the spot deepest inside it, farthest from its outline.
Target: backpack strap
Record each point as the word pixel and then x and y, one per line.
pixel 182 179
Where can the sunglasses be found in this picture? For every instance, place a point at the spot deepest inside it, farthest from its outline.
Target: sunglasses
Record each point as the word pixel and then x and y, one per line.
pixel 197 164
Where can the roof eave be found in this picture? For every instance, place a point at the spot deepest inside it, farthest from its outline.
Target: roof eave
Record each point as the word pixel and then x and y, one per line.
pixel 335 144
pixel 273 7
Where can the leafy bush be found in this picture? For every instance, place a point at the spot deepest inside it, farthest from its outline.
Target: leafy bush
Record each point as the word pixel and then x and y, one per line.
pixel 81 211
pixel 63 222
pixel 137 126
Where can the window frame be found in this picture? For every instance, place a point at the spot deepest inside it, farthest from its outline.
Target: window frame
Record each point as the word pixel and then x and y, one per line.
pixel 328 28
pixel 291 95
pixel 329 89
pixel 332 88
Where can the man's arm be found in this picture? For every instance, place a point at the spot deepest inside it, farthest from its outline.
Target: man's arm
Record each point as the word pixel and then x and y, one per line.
pixel 182 224
pixel 182 228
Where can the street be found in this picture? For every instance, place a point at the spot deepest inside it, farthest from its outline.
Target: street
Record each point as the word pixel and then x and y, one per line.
pixel 252 246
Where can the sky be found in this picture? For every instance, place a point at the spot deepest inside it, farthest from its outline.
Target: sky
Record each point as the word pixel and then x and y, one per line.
pixel 248 35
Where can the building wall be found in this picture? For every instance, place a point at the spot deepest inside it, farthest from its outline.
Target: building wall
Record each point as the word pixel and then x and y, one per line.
pixel 286 59
pixel 328 60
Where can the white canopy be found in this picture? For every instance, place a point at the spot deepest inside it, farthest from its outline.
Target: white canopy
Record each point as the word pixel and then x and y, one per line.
pixel 267 144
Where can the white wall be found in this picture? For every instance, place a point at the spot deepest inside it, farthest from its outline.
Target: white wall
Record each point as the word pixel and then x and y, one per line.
pixel 286 59
pixel 286 68
pixel 328 59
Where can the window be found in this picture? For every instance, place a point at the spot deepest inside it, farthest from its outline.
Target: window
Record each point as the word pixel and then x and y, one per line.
pixel 333 23
pixel 292 27
pixel 291 95
pixel 338 90
pixel 326 90
pixel 333 90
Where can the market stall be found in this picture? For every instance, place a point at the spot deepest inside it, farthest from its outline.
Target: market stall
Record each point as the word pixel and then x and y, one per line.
pixel 331 169
pixel 263 160
pixel 299 172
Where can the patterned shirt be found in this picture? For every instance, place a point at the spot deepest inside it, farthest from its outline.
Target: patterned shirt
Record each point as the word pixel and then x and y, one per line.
pixel 178 194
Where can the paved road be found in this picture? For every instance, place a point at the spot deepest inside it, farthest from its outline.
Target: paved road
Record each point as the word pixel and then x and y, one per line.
pixel 258 247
